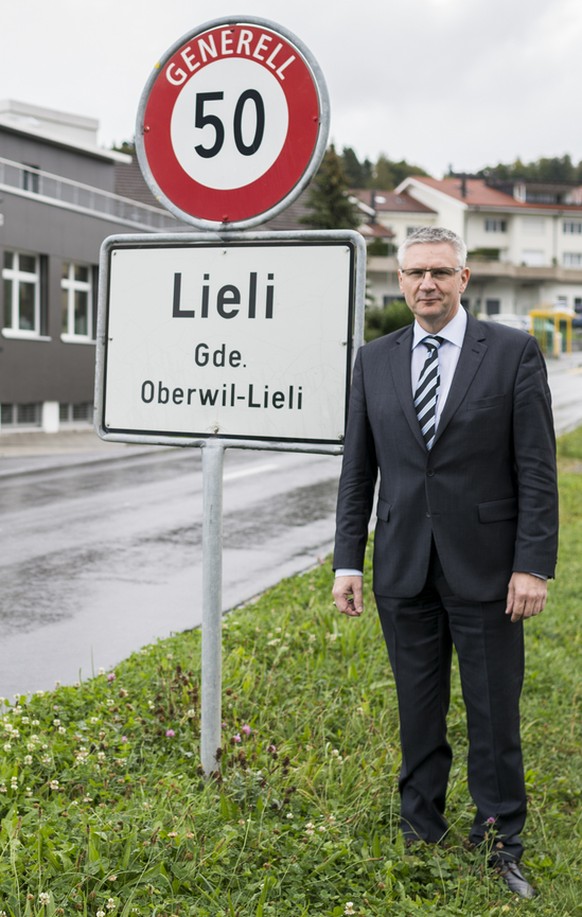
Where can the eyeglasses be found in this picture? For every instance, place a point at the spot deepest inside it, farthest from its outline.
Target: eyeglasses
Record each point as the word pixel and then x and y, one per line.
pixel 437 273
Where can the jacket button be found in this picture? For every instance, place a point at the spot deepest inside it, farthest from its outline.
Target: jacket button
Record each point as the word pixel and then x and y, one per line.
pixel 428 515
pixel 430 473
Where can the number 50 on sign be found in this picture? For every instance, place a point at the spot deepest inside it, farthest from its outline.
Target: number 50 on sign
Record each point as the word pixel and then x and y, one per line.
pixel 232 123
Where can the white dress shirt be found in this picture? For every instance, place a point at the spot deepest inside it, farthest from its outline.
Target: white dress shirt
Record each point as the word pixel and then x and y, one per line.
pixel 453 334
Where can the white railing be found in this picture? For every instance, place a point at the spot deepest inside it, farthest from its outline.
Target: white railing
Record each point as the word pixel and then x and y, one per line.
pixel 29 181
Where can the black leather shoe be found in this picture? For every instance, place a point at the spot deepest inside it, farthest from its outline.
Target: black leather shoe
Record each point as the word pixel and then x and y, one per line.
pixel 515 880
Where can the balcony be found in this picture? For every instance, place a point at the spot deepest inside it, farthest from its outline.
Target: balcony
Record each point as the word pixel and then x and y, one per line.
pixel 62 192
pixel 482 269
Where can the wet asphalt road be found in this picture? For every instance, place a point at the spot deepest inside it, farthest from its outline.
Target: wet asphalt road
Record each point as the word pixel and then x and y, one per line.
pixel 102 558
pixel 101 550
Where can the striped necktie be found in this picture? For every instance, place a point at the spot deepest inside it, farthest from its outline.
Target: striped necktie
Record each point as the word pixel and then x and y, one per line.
pixel 427 390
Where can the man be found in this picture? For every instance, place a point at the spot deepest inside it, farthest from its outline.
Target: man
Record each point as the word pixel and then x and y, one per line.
pixel 465 538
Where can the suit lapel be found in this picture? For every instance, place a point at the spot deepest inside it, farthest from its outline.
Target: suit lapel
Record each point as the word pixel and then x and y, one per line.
pixel 472 352
pixel 399 362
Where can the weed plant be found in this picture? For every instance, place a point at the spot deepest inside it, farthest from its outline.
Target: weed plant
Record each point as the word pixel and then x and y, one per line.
pixel 105 813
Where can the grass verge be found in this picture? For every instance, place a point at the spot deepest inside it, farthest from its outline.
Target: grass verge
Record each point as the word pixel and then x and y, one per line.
pixel 104 811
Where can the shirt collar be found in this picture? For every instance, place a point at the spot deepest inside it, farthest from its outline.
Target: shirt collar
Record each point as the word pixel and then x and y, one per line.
pixel 453 331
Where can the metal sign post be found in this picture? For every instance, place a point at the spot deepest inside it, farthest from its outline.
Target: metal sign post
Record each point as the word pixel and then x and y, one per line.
pixel 211 718
pixel 223 338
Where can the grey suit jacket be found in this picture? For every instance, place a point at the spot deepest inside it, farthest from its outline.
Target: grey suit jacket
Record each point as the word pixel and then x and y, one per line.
pixel 486 493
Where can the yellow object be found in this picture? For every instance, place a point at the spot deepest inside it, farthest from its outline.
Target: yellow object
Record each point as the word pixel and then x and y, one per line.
pixel 553 330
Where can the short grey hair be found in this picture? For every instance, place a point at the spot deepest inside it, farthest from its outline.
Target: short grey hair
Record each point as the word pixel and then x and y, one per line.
pixel 433 234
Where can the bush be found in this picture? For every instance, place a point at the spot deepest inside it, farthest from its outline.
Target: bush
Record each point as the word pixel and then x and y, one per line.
pixel 380 321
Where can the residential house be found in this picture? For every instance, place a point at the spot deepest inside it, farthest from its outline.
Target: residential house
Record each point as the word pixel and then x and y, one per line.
pixel 524 240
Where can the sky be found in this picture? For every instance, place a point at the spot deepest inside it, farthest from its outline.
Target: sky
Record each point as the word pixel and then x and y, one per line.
pixel 459 84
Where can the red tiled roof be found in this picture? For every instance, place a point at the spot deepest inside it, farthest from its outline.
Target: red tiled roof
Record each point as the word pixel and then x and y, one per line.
pixel 471 191
pixel 474 192
pixel 390 201
pixel 372 231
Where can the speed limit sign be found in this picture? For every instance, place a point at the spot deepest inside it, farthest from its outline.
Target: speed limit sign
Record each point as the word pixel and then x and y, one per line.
pixel 232 123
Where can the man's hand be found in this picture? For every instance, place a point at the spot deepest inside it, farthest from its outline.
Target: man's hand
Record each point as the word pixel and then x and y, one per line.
pixel 526 596
pixel 348 595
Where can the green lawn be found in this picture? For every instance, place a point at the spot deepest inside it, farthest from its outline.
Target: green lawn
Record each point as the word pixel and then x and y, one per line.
pixel 104 811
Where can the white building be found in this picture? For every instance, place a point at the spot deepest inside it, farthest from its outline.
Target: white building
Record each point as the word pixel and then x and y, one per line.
pixel 524 241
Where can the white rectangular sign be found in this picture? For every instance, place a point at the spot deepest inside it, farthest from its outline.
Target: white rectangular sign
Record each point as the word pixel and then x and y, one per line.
pixel 235 340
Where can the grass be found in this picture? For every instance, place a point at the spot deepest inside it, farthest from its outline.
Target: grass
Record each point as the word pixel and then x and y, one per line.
pixel 104 811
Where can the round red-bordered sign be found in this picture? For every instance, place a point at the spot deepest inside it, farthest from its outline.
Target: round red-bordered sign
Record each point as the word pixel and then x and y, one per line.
pixel 232 124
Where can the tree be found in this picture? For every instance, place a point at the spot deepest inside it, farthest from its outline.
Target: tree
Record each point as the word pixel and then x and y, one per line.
pixel 402 169
pixel 383 175
pixel 555 169
pixel 358 175
pixel 352 168
pixel 128 146
pixel 368 170
pixel 327 199
pixel 388 173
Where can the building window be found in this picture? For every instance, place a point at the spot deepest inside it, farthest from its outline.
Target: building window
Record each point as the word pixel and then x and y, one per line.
pixel 21 276
pixel 492 225
pixel 572 227
pixel 541 197
pixel 76 413
pixel 20 415
pixel 572 259
pixel 77 301
pixel 492 306
pixel 30 178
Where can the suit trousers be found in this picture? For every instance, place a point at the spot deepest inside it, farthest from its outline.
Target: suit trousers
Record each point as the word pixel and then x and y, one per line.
pixel 420 634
